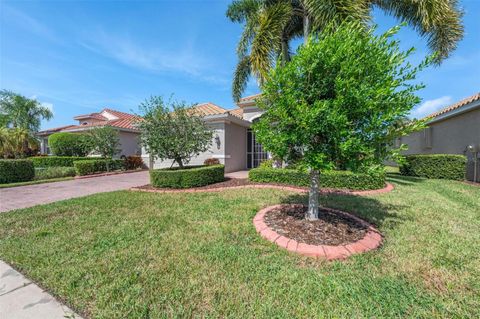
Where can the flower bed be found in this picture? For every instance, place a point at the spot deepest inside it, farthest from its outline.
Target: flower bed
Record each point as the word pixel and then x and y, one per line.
pixel 193 176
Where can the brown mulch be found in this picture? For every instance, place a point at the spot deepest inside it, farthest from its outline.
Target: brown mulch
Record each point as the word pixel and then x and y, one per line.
pixel 228 182
pixel 331 228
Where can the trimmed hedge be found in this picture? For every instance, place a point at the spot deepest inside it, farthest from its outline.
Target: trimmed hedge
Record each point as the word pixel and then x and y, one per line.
pixel 442 166
pixel 193 176
pixel 329 179
pixel 55 161
pixel 53 172
pixel 16 170
pixel 68 144
pixel 88 167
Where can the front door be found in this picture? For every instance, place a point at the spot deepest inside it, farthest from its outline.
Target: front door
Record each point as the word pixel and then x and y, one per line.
pixel 255 152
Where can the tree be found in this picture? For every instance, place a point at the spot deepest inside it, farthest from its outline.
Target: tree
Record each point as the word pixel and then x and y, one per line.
pixel 17 143
pixel 69 144
pixel 17 111
pixel 339 102
pixel 173 131
pixel 270 25
pixel 104 141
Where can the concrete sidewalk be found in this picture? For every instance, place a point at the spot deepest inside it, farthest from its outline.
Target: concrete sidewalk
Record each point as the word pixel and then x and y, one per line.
pixel 22 299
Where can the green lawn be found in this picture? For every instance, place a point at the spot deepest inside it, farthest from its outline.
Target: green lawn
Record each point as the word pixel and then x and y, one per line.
pixel 143 255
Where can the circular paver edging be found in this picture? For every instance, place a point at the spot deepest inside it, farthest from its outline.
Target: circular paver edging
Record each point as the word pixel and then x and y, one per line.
pixel 388 188
pixel 370 241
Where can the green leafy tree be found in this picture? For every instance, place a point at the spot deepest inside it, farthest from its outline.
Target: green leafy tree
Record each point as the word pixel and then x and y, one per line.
pixel 270 26
pixel 17 111
pixel 104 141
pixel 339 102
pixel 173 131
pixel 69 144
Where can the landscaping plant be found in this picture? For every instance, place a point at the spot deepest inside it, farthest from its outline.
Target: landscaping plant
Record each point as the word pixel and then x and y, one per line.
pixel 173 131
pixel 69 144
pixel 340 101
pixel 104 141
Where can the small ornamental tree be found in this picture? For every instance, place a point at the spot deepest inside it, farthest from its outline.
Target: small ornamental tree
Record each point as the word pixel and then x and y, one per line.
pixel 173 131
pixel 104 141
pixel 340 102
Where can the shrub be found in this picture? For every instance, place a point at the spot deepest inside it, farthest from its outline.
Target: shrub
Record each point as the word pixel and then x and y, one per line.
pixel 444 166
pixel 193 176
pixel 16 170
pixel 88 167
pixel 328 179
pixel 68 144
pixel 53 172
pixel 133 162
pixel 266 163
pixel 52 161
pixel 211 161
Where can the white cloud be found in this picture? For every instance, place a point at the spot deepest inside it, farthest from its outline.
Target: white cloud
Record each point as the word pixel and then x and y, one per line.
pixel 430 106
pixel 186 60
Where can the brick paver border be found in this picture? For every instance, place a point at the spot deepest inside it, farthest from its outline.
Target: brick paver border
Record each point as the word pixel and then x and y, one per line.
pixel 388 187
pixel 371 240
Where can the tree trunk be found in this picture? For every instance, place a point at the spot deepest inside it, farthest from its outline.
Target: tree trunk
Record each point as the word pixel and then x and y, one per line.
pixel 285 53
pixel 312 213
pixel 306 28
pixel 179 161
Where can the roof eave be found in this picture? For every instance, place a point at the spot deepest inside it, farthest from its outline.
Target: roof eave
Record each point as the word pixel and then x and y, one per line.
pixel 462 109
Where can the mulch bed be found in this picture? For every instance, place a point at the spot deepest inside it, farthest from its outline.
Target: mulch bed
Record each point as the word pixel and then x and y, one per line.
pixel 228 182
pixel 331 228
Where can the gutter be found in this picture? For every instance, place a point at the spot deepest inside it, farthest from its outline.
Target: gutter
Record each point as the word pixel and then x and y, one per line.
pixel 463 109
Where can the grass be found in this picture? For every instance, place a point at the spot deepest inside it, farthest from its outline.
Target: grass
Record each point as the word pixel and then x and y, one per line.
pixel 42 181
pixel 142 255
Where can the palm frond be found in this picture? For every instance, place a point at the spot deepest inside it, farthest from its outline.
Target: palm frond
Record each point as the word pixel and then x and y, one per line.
pixel 241 10
pixel 240 77
pixel 439 21
pixel 334 12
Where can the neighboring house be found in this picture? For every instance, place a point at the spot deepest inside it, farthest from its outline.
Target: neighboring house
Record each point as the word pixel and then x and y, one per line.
pixel 452 130
pixel 123 122
pixel 233 142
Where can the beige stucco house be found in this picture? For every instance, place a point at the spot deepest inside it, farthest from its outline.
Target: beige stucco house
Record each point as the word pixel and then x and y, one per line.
pixel 452 130
pixel 233 142
pixel 123 122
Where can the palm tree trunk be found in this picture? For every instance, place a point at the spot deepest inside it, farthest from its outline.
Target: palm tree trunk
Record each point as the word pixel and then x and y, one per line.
pixel 306 27
pixel 312 213
pixel 285 53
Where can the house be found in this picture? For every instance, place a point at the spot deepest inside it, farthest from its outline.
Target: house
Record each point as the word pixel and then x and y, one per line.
pixel 233 142
pixel 123 122
pixel 452 130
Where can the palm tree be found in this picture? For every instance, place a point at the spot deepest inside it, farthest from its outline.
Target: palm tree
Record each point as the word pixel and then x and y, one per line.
pixel 270 25
pixel 17 111
pixel 16 143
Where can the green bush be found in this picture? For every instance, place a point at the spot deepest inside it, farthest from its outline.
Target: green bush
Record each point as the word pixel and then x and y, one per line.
pixel 16 170
pixel 53 172
pixel 443 166
pixel 88 167
pixel 69 144
pixel 193 176
pixel 329 179
pixel 55 161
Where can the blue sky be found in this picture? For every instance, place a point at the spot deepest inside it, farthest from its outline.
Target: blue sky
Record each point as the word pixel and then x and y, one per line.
pixel 80 56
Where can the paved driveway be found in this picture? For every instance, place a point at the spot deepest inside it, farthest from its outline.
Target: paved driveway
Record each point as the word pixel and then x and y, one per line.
pixel 28 196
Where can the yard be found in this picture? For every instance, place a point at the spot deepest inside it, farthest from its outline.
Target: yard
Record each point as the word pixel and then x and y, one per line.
pixel 141 255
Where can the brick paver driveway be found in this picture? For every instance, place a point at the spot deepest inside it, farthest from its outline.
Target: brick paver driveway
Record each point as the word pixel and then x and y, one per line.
pixel 27 196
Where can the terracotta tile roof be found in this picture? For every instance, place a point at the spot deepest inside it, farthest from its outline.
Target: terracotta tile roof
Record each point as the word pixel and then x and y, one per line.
pixel 249 98
pixel 121 115
pixel 54 130
pixel 237 112
pixel 205 109
pixel 457 105
pixel 96 116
